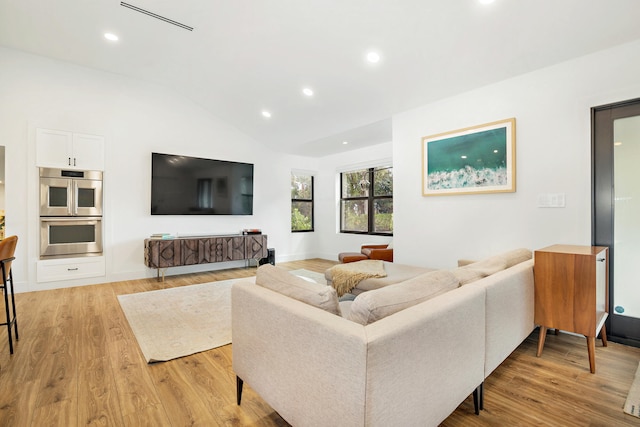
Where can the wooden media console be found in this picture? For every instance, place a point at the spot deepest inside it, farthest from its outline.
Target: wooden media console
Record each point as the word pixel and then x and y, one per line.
pixel 181 251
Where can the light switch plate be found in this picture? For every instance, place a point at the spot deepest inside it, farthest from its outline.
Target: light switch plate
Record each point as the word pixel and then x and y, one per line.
pixel 551 200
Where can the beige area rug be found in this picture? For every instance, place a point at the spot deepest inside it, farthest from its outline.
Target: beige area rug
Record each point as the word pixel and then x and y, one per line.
pixel 177 322
pixel 632 405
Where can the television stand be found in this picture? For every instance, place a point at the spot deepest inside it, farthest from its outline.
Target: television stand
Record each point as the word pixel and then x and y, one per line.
pixel 164 253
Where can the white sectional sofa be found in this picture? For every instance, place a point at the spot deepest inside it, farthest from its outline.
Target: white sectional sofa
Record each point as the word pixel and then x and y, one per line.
pixel 413 367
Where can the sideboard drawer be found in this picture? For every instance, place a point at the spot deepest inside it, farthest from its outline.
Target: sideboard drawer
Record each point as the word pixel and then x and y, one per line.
pixel 70 268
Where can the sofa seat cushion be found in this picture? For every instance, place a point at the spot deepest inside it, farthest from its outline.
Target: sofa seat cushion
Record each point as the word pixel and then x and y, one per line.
pixel 345 277
pixel 283 282
pixel 396 273
pixel 371 306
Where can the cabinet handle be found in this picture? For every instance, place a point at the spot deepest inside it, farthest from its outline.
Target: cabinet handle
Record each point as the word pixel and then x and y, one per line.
pixel 72 269
pixel 74 161
pixel 600 259
pixel 69 161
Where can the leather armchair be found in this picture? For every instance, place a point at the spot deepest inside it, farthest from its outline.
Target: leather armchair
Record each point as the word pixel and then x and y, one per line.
pixel 381 252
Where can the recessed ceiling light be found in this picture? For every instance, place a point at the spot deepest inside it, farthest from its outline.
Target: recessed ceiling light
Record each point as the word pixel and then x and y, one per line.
pixel 486 1
pixel 617 143
pixel 345 142
pixel 307 91
pixel 266 114
pixel 373 57
pixel 110 36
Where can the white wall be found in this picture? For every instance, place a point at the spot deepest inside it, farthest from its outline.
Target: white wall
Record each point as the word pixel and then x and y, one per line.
pixel 553 142
pixel 551 107
pixel 136 118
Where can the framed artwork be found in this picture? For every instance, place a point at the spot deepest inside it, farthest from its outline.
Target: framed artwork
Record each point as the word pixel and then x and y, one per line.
pixel 478 159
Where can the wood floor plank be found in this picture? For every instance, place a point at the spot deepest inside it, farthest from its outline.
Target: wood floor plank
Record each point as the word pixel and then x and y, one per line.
pixel 97 395
pixel 78 363
pixel 136 389
pixel 63 413
pixel 183 404
pixel 150 416
pixel 17 408
pixel 59 372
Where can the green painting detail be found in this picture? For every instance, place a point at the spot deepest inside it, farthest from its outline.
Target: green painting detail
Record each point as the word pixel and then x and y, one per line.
pixel 468 161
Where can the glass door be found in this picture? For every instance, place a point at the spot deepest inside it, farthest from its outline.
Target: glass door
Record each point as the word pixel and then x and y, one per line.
pixel 616 203
pixel 626 158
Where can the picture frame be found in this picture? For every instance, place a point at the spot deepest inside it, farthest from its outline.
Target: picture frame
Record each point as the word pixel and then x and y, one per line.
pixel 473 160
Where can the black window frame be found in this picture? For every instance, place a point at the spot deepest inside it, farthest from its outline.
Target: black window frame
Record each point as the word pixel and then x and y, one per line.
pixel 371 198
pixel 311 200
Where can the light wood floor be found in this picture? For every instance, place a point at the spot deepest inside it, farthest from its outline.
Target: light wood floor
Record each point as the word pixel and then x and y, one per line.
pixel 77 364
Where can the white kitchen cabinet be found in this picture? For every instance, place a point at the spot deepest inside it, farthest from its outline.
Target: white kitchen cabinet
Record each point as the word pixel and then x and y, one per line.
pixel 69 150
pixel 56 269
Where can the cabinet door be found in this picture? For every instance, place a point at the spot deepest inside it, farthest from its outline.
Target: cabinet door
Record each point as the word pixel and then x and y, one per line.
pixel 53 148
pixel 88 152
pixel 163 253
pixel 232 248
pixel 256 246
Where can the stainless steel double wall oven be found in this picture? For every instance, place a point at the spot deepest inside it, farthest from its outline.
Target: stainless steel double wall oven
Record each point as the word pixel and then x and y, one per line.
pixel 70 213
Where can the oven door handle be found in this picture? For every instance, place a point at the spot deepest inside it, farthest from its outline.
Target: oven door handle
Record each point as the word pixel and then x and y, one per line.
pixel 85 220
pixel 74 203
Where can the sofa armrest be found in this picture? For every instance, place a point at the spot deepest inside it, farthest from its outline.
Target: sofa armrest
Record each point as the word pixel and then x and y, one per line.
pixel 378 253
pixel 374 246
pixel 300 359
pixel 510 311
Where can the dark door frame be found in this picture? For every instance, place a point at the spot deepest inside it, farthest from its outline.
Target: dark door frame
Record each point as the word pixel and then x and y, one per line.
pixel 620 329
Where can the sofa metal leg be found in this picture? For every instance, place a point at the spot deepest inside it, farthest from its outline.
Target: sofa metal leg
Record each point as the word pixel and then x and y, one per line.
pixel 239 384
pixel 478 398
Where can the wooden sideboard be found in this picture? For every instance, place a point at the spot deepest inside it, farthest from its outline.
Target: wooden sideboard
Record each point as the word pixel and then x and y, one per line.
pixel 571 292
pixel 162 254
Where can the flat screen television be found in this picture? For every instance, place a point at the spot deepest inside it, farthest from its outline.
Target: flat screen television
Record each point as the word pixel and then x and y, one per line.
pixel 182 185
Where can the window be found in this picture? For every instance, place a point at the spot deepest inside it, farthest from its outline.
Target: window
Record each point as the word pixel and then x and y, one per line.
pixel 366 201
pixel 301 202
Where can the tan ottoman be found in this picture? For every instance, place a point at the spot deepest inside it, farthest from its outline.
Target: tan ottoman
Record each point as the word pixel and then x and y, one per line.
pixel 345 257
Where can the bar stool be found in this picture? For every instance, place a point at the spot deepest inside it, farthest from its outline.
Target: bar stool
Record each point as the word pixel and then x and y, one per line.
pixel 7 251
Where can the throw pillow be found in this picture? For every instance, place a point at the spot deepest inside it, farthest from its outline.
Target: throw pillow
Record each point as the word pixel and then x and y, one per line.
pixel 375 305
pixel 283 282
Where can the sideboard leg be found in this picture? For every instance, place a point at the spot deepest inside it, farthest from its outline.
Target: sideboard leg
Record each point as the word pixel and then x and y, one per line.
pixel 603 335
pixel 591 347
pixel 541 339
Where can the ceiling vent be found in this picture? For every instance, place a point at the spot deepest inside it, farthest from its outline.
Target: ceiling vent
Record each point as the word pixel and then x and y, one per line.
pixel 155 15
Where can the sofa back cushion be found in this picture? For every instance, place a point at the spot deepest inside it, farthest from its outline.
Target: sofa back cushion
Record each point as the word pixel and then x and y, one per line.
pixel 283 282
pixel 375 305
pixel 516 256
pixel 477 270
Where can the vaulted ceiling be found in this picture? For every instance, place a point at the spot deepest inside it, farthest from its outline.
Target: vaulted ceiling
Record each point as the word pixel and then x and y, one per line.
pixel 238 58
